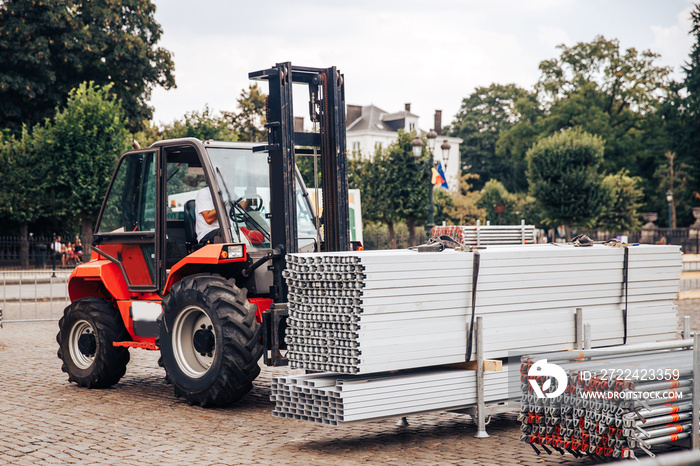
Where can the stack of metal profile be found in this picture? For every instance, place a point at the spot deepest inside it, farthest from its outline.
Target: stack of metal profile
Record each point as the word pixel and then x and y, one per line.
pixel 487 235
pixel 334 399
pixel 615 405
pixel 377 311
pixel 374 311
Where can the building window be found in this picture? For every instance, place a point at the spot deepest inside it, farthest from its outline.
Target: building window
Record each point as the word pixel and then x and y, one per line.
pixel 356 147
pixel 411 126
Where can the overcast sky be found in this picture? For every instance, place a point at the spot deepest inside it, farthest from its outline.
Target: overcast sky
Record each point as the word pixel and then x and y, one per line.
pixel 429 53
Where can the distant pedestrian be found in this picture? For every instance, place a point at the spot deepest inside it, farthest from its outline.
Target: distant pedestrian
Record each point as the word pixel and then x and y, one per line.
pixel 71 258
pixel 78 250
pixel 57 249
pixel 64 254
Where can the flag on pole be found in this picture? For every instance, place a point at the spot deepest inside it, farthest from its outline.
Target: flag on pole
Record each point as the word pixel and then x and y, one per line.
pixel 439 176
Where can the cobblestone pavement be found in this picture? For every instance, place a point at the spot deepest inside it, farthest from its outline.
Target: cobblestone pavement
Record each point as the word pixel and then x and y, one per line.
pixel 46 420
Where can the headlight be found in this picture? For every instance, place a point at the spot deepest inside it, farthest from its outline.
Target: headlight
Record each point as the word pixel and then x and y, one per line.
pixel 233 251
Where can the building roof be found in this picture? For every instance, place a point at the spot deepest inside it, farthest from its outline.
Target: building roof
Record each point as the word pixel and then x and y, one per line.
pixel 372 118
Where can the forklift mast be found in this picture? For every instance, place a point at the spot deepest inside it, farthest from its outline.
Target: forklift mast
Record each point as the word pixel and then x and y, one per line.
pixel 327 108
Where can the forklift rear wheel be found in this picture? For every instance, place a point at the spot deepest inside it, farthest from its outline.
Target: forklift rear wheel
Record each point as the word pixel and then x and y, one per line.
pixel 86 332
pixel 209 340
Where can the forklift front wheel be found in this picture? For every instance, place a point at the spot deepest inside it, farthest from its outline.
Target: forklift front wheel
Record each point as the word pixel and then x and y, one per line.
pixel 209 340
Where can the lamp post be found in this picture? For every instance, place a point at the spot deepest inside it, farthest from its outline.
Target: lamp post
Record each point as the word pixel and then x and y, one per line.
pixel 445 155
pixel 417 145
pixel 669 199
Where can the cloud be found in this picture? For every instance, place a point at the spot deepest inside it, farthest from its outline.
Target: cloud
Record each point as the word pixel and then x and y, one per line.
pixel 432 54
pixel 674 42
pixel 552 36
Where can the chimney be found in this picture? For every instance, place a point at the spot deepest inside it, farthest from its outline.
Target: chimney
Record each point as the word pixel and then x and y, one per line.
pixel 298 124
pixel 408 107
pixel 353 113
pixel 438 122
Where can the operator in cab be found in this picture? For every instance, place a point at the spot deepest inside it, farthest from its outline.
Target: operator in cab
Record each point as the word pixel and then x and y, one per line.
pixel 206 221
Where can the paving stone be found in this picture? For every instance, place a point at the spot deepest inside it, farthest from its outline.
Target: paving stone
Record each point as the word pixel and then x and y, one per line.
pixel 45 419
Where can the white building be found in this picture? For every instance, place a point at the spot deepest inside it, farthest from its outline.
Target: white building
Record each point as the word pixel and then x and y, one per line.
pixel 369 128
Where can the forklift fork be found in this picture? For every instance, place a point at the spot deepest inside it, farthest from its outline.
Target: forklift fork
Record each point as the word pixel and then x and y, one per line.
pixel 274 324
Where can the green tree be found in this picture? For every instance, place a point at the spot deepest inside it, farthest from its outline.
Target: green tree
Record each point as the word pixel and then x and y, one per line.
pixel 249 122
pixel 563 172
pixel 622 212
pixel 84 140
pixel 613 93
pixel 674 176
pixel 628 80
pixel 681 114
pixel 394 185
pixel 493 195
pixel 680 130
pixel 371 178
pixel 527 209
pixel 459 207
pixel 202 125
pixel 516 206
pixel 23 194
pixel 486 113
pixel 38 54
pixel 48 47
pixel 408 182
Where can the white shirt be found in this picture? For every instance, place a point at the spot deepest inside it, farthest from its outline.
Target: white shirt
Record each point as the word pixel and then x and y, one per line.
pixel 202 203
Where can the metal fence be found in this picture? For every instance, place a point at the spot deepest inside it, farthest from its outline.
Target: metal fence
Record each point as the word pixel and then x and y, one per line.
pixel 38 252
pixel 33 295
pixel 380 240
pixel 688 239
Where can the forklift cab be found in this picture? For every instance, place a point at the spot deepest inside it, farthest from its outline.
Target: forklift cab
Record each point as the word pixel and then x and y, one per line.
pixel 147 220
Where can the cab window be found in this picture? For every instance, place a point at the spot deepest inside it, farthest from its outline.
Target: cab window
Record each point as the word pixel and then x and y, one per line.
pixel 130 204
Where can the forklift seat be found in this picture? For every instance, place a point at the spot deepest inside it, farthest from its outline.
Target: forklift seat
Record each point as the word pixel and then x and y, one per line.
pixel 190 222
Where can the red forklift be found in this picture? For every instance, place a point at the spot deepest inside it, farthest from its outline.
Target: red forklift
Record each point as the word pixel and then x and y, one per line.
pixel 211 309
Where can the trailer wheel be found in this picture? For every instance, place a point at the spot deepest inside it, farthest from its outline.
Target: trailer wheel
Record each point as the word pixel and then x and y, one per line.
pixel 86 332
pixel 209 340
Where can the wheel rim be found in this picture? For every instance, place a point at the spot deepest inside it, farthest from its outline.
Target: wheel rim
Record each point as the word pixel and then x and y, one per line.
pixel 82 344
pixel 185 334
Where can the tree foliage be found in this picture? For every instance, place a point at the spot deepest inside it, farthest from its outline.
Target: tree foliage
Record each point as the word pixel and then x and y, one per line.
pixel 371 178
pixel 483 116
pixel 674 176
pixel 564 177
pixel 249 122
pixel 202 125
pixel 48 47
pixel 613 93
pixel 493 195
pixel 23 199
pixel 459 207
pixel 682 117
pixel 516 206
pixel 629 80
pixel 622 211
pixel 394 184
pixel 84 140
pixel 23 195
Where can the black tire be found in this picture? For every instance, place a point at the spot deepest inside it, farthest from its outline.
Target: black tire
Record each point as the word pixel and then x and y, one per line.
pixel 209 340
pixel 86 332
